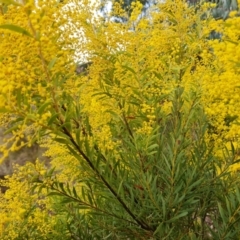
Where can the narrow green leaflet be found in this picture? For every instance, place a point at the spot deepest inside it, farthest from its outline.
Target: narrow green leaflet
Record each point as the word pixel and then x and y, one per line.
pixel 120 187
pixel 9 130
pixel 55 194
pixel 78 131
pixel 10 2
pixel 62 140
pixel 52 119
pixel 52 63
pixel 153 146
pixel 73 152
pixel 158 75
pixel 61 186
pixel 183 214
pixel 130 69
pixel 15 28
pixel 43 107
pixel 67 200
pixel 75 192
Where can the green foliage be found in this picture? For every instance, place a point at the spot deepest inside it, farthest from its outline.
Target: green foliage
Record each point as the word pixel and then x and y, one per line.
pixel 165 185
pixel 160 178
pixel 16 29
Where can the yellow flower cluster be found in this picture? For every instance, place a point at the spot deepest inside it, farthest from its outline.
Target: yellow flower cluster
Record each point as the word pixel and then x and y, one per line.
pixel 223 84
pixel 66 165
pixel 133 74
pixel 18 203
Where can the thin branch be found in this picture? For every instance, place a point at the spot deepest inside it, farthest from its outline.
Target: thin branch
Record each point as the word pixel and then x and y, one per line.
pixel 142 224
pixel 126 123
pixel 91 206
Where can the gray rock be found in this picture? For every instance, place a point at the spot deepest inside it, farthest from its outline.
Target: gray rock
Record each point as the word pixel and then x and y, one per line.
pixel 82 69
pixel 20 157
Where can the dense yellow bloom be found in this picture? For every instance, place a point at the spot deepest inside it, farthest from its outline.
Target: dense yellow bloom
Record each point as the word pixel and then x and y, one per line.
pixel 17 203
pixel 134 75
pixel 223 85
